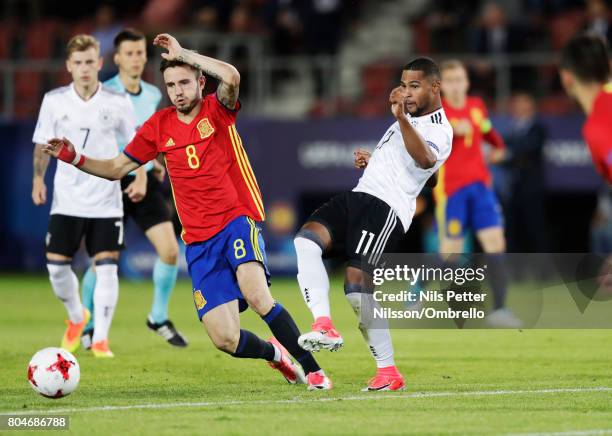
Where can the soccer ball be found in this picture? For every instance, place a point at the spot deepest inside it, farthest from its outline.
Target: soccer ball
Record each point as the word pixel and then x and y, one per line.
pixel 54 372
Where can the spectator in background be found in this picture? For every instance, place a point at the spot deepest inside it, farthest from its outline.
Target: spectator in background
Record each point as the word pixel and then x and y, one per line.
pixel 211 15
pixel 323 27
pixel 494 34
pixel 158 14
pixel 525 207
pixel 244 19
pixel 598 19
pixel 283 21
pixel 448 21
pixel 106 26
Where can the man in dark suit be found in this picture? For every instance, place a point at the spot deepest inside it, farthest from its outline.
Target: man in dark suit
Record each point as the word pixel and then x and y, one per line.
pixel 495 35
pixel 525 143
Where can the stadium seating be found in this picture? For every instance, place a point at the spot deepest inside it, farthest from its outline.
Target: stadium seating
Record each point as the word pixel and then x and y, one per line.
pixel 28 88
pixel 7 37
pixel 40 39
pixel 377 78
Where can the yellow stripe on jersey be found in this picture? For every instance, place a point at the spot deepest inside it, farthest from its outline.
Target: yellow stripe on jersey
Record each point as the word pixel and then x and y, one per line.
pixel 245 170
pixel 249 171
pixel 440 195
pixel 242 150
pixel 255 240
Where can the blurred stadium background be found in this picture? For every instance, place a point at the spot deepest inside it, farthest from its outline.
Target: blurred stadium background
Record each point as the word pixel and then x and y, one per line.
pixel 315 81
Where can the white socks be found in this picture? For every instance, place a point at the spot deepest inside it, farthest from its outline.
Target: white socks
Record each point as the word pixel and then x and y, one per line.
pixel 106 294
pixel 66 287
pixel 377 336
pixel 314 284
pixel 312 276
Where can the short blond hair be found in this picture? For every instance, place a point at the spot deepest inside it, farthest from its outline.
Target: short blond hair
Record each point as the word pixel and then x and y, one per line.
pixel 81 42
pixel 452 64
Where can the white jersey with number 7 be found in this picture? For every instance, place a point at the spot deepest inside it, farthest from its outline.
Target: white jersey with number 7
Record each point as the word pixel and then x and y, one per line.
pixel 92 126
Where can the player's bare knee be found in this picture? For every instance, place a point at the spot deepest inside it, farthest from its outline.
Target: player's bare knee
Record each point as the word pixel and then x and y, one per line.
pixel 226 341
pixel 353 276
pixel 254 286
pixel 223 334
pixel 496 248
pixel 451 245
pixel 492 240
pixel 53 257
pixel 103 255
pixel 169 255
pixel 311 236
pixel 260 301
pixel 498 245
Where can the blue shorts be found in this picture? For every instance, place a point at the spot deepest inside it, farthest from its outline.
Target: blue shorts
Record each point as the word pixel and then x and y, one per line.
pixel 212 264
pixel 474 206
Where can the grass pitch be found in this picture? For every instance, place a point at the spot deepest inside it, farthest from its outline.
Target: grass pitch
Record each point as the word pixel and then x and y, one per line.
pixel 459 382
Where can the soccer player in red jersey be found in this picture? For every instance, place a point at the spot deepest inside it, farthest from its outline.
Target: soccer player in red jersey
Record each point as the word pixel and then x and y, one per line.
pixel 585 75
pixel 218 201
pixel 464 197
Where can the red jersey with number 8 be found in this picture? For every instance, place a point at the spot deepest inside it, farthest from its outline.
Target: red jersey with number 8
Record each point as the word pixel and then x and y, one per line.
pixel 211 177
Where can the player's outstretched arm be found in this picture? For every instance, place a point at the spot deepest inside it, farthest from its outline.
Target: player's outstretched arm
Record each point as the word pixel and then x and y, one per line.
pixel 498 152
pixel 414 143
pixel 111 169
pixel 227 74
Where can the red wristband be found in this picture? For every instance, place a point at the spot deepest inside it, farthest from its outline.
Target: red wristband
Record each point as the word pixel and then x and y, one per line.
pixel 80 160
pixel 71 156
pixel 67 155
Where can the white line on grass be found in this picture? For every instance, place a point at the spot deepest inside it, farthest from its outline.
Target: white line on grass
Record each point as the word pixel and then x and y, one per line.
pixel 364 397
pixel 594 432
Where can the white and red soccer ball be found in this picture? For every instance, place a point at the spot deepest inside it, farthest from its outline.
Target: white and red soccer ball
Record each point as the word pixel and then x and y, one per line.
pixel 54 372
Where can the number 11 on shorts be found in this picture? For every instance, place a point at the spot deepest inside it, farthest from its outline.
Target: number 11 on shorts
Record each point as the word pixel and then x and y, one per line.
pixel 364 235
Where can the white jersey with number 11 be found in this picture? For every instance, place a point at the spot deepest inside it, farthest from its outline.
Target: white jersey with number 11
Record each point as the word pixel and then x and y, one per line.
pixel 393 176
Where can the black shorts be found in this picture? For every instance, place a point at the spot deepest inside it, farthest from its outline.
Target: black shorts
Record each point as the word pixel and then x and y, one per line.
pixel 361 226
pixel 152 210
pixel 66 233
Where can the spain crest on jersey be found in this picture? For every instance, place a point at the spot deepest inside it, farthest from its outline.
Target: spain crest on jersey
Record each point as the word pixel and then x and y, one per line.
pixel 199 300
pixel 205 128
